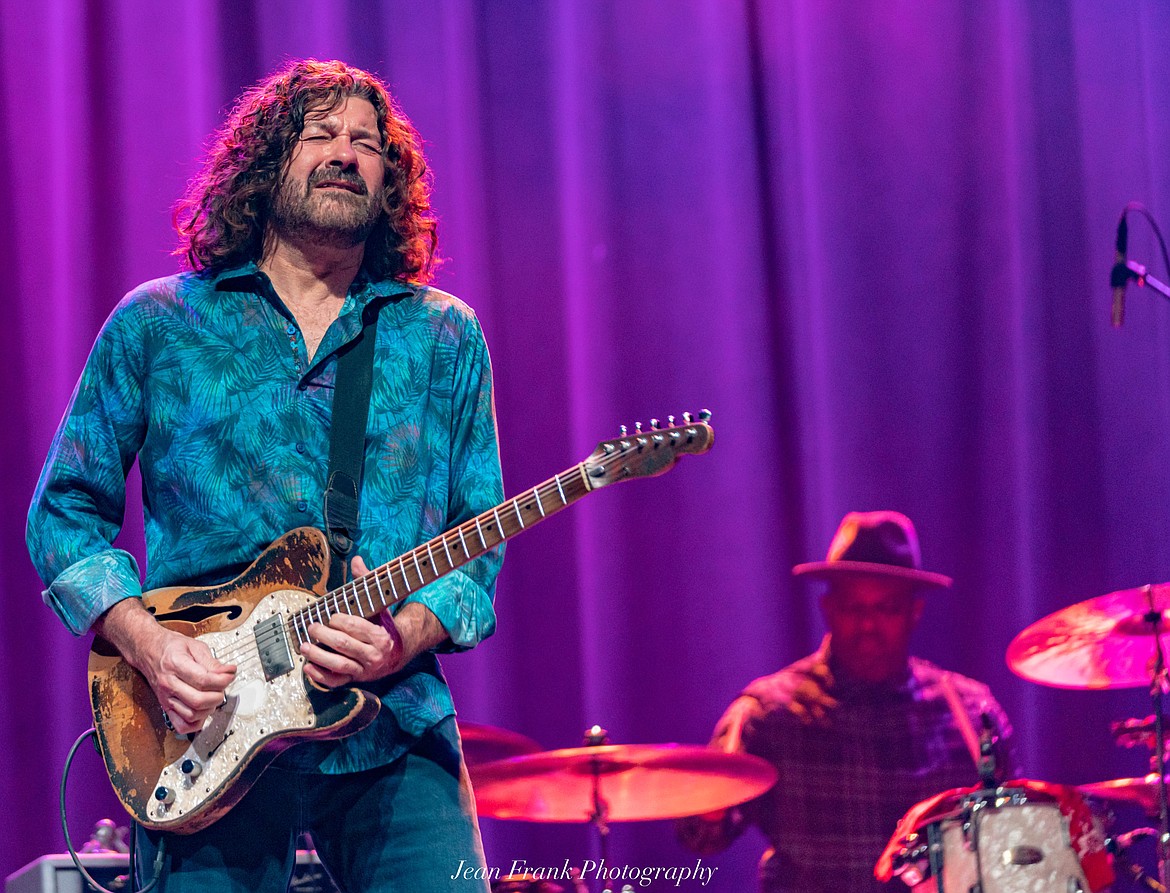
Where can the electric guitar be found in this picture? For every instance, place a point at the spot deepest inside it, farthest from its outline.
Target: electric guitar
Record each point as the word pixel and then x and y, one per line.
pixel 259 620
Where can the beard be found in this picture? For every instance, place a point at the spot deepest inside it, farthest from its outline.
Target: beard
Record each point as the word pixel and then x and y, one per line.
pixel 331 218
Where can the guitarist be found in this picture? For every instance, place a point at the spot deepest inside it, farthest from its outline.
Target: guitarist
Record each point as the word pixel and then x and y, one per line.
pixel 312 206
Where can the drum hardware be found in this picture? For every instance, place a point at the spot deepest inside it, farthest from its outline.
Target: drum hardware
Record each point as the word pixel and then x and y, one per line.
pixel 1119 847
pixel 1113 641
pixel 1024 835
pixel 601 783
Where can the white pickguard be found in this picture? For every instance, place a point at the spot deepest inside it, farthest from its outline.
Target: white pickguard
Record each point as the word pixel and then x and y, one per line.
pixel 256 710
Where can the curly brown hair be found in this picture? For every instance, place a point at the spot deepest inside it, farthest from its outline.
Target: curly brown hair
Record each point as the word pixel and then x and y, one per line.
pixel 222 217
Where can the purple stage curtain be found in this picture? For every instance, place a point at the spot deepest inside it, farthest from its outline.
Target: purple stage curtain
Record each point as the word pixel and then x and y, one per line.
pixel 873 237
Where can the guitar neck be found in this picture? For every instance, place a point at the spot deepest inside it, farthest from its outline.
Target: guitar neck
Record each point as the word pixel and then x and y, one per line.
pixel 643 454
pixel 390 583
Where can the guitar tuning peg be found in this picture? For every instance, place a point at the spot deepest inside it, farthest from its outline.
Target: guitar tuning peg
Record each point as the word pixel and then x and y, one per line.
pixel 688 418
pixel 638 427
pixel 623 430
pixel 704 415
pixel 655 424
pixel 670 421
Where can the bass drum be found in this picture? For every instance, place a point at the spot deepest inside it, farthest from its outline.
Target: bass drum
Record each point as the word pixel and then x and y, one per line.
pixel 1023 837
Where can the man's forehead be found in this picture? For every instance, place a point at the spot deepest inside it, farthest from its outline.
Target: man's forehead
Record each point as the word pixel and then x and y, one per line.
pixel 355 108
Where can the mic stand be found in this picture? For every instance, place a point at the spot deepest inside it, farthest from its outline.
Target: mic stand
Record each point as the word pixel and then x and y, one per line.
pixel 1123 271
pixel 1154 619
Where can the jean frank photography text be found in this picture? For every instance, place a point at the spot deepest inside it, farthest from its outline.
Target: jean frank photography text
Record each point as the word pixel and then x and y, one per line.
pixel 595 870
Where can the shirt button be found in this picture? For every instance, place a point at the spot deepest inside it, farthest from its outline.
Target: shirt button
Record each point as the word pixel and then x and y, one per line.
pixel 291 329
pixel 302 506
pixel 300 447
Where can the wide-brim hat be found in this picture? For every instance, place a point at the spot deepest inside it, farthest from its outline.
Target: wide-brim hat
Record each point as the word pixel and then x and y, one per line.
pixel 874 544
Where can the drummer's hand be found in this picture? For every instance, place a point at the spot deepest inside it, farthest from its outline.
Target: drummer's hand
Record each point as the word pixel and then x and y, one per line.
pixel 811 704
pixel 711 832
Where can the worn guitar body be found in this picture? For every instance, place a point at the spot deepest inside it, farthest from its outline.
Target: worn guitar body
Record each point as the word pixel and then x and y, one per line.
pixel 183 783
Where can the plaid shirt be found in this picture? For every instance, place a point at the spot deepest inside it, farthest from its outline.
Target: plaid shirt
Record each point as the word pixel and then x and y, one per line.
pixel 845 783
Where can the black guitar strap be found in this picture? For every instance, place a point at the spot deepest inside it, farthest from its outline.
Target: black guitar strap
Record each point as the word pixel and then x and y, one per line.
pixel 351 410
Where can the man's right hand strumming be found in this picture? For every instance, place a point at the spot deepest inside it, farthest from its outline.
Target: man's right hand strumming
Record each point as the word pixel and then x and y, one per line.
pixel 187 679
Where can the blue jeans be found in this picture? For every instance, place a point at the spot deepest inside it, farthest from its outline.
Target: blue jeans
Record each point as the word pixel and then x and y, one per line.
pixel 403 828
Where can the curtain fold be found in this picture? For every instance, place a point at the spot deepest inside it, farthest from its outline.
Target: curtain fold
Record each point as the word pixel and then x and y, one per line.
pixel 873 237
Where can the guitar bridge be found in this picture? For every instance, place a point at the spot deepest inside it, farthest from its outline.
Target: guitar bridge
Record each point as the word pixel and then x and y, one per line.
pixel 272 645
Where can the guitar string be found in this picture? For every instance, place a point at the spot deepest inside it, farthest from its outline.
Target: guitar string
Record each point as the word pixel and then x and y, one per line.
pixel 244 653
pixel 340 596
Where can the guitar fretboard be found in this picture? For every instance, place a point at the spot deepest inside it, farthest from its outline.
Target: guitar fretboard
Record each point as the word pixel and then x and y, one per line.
pixel 390 583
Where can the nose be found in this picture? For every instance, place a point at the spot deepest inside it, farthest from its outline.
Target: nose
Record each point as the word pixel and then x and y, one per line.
pixel 341 152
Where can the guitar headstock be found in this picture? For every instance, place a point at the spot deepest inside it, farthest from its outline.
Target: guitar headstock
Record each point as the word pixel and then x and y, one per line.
pixel 650 452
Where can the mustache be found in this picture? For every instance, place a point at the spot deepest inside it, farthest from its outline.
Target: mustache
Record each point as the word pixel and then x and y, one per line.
pixel 350 178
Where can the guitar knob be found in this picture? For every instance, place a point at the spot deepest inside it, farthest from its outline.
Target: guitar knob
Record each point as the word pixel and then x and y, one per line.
pixel 655 424
pixel 688 418
pixel 638 427
pixel 191 768
pixel 164 795
pixel 704 415
pixel 624 430
pixel 670 420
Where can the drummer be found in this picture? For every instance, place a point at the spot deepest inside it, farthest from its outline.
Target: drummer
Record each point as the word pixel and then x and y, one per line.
pixel 859 730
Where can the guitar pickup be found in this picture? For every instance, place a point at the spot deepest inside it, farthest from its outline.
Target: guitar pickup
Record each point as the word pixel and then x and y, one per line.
pixel 272 645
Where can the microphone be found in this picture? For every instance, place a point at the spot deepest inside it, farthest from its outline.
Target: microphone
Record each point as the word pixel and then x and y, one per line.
pixel 1120 274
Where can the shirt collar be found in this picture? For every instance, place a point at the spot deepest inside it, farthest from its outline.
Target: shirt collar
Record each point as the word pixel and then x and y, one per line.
pixel 248 277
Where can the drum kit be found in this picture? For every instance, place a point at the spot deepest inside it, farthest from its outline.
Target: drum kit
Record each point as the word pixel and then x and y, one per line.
pixel 1011 837
pixel 600 783
pixel 1029 835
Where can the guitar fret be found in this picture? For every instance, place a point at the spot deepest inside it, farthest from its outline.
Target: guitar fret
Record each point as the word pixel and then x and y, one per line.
pixel 479 530
pixel 584 477
pixel 369 598
pixel 560 490
pixel 539 504
pixel 381 592
pixel 443 540
pixel 499 526
pixel 405 579
pixel 466 553
pixel 431 555
pixel 417 568
pixel 519 517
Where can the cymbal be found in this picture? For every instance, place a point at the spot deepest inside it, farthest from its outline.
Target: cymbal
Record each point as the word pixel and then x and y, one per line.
pixel 638 782
pixel 485 744
pixel 1142 791
pixel 1102 643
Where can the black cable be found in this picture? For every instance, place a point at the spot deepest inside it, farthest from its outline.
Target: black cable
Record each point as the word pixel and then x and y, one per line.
pixel 1145 212
pixel 89 878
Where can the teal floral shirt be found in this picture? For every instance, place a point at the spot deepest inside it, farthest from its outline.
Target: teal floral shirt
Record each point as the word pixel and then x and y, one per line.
pixel 205 379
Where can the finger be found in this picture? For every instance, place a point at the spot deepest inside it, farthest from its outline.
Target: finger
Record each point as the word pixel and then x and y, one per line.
pixel 192 699
pixel 330 661
pixel 358 628
pixel 357 566
pixel 363 648
pixel 188 669
pixel 325 678
pixel 194 661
